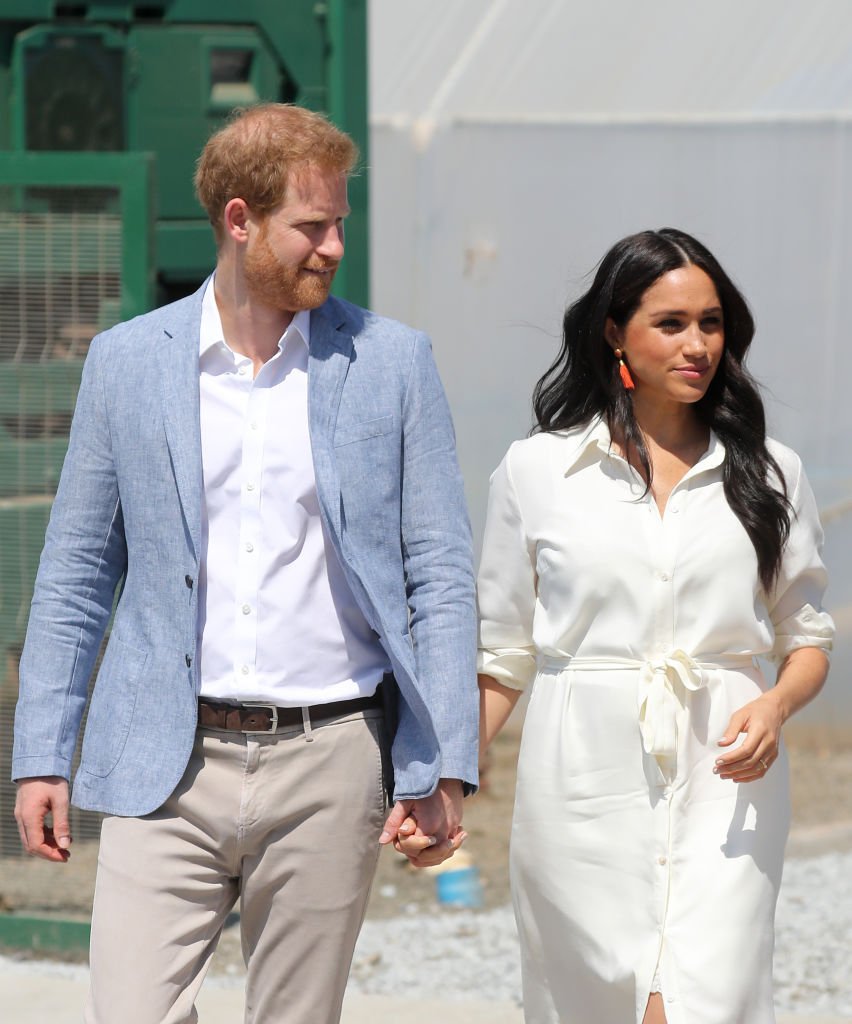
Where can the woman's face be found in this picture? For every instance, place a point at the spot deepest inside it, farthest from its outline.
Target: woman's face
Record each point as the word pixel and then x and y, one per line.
pixel 673 343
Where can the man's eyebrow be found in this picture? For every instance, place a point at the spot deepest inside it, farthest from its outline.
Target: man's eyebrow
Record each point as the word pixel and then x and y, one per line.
pixel 309 216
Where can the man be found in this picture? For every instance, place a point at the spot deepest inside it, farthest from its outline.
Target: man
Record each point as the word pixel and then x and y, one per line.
pixel 268 474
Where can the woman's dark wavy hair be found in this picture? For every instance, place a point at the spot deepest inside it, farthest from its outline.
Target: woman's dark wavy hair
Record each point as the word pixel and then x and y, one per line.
pixel 584 382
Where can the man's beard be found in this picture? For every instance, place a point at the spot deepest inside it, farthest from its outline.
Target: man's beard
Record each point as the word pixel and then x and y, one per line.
pixel 282 286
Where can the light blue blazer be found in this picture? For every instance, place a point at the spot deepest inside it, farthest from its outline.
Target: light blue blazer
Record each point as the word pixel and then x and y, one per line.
pixel 128 512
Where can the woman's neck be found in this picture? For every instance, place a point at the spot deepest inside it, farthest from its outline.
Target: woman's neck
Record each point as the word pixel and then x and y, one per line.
pixel 673 427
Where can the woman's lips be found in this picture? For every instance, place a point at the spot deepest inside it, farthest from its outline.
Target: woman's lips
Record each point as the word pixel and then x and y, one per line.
pixel 692 372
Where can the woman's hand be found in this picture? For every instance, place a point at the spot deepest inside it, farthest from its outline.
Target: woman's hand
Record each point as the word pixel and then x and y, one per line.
pixel 800 678
pixel 761 721
pixel 425 851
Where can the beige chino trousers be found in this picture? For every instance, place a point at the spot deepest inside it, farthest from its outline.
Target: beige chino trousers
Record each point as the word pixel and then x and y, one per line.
pixel 288 824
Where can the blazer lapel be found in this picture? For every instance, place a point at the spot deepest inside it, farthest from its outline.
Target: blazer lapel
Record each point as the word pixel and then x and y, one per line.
pixel 181 414
pixel 328 363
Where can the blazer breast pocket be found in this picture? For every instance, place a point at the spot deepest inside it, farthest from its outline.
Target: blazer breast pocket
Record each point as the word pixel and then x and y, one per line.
pixel 349 433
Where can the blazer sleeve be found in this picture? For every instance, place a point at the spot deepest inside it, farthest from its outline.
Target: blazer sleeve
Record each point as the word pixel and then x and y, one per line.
pixel 795 606
pixel 438 567
pixel 84 558
pixel 507 587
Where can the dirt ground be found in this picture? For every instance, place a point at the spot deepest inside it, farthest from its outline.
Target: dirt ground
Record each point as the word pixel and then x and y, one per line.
pixel 821 776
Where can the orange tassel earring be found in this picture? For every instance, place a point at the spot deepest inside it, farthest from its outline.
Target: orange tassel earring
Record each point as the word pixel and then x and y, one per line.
pixel 624 371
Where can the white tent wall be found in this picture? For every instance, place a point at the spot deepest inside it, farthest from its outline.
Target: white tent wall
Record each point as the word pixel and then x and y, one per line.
pixel 484 226
pixel 441 59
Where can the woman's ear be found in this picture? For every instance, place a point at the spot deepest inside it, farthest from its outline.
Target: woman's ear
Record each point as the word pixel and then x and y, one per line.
pixel 612 334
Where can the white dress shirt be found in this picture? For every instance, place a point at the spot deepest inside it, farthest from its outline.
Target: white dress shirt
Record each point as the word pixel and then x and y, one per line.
pixel 577 562
pixel 277 620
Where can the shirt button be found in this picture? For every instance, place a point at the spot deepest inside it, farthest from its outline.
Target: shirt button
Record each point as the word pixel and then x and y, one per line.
pixel 245 670
pixel 242 370
pixel 662 861
pixel 664 576
pixel 249 487
pixel 249 546
pixel 246 609
pixel 253 424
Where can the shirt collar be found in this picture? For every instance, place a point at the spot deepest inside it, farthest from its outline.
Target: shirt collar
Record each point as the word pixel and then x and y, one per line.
pixel 211 333
pixel 592 435
pixel 596 435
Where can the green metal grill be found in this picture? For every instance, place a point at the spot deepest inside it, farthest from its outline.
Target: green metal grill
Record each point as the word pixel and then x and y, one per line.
pixel 104 107
pixel 75 257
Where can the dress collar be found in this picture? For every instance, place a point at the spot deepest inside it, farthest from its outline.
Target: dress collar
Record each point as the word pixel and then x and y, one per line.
pixel 596 435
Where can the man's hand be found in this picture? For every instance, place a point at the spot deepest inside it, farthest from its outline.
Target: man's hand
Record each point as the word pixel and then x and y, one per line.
pixel 36 799
pixel 428 830
pixel 424 851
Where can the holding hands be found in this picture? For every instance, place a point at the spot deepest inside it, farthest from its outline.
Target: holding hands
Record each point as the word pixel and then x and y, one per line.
pixel 427 831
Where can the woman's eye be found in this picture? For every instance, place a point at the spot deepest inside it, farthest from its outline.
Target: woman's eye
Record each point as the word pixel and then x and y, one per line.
pixel 712 323
pixel 670 325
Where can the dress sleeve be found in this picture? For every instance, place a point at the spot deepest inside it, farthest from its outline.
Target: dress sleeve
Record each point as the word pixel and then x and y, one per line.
pixel 795 607
pixel 506 587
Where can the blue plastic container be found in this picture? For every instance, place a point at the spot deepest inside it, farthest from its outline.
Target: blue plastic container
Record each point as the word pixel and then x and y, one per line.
pixel 459 887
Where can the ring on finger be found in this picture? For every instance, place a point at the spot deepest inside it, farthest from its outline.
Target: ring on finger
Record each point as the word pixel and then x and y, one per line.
pixel 764 764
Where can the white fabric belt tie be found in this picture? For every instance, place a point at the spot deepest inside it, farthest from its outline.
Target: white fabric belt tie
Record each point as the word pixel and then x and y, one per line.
pixel 663 685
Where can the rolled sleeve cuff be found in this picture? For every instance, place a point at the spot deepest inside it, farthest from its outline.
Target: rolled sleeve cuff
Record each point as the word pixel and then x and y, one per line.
pixel 806 628
pixel 469 778
pixel 512 667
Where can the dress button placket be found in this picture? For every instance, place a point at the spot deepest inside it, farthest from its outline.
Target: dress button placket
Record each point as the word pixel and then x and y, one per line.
pixel 665 532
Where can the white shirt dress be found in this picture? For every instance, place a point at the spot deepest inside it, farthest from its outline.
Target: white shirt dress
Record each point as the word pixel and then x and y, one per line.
pixel 633 867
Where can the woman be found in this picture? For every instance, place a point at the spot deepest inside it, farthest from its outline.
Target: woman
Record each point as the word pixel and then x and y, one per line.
pixel 641 549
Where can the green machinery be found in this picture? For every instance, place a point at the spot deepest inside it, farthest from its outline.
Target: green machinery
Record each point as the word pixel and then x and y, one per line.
pixel 111 76
pixel 104 107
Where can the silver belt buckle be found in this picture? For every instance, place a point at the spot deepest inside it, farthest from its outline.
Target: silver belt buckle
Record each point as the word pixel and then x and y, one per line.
pixel 270 707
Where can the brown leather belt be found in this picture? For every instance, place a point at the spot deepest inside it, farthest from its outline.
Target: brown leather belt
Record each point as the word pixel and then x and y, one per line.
pixel 250 717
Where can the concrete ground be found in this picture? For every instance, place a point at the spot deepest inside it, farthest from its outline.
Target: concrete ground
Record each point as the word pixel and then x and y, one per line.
pixel 34 996
pixel 30 998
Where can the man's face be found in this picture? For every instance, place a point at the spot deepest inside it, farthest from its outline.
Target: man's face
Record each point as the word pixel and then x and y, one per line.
pixel 292 258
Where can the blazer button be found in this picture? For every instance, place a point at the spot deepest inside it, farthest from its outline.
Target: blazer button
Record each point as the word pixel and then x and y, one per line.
pixel 188 580
pixel 188 661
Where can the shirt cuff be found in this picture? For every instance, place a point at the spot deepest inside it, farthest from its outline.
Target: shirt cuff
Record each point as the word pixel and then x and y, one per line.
pixel 512 667
pixel 805 628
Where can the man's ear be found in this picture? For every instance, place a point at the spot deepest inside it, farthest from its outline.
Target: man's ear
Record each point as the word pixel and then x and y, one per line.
pixel 235 220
